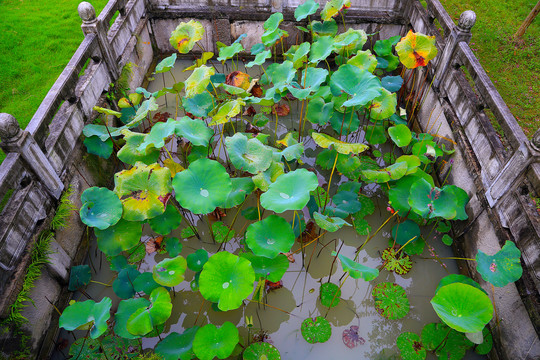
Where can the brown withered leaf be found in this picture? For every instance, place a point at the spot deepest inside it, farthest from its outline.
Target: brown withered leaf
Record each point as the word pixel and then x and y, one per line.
pixel 256 91
pixel 281 109
pixel 252 129
pixel 238 79
pixel 217 215
pixel 309 233
pixel 250 111
pixel 161 117
pixel 154 244
pixel 290 256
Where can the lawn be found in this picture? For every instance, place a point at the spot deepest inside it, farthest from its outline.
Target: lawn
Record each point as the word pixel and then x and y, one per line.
pixel 515 70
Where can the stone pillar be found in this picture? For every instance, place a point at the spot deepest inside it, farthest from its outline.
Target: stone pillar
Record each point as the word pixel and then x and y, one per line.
pixel 15 140
pixel 462 32
pixel 92 25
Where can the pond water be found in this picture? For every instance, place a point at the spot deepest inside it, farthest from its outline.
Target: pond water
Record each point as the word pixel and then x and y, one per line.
pixel 280 320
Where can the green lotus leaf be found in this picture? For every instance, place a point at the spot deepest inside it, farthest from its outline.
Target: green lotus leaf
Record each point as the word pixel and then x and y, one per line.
pixel 329 294
pixel 400 191
pixel 383 106
pixel 410 346
pixel 197 82
pixel 364 60
pixel 184 37
pixel 248 155
pixel 207 55
pixel 400 135
pixel 269 237
pixel 194 130
pixel 264 179
pixel 347 201
pixel 165 64
pixel 333 7
pixel 309 82
pixel 126 308
pixel 502 268
pixel 318 112
pixel 270 38
pixel 457 278
pixel 368 207
pixel 412 161
pixel 298 54
pixel 273 21
pixel 142 112
pixel 94 145
pixel 375 134
pixel 129 153
pixel 227 111
pixel 463 307
pixel 405 231
pixel 148 316
pixel 383 47
pixel 106 111
pixel 317 330
pixel 356 270
pixel 196 260
pixel 267 268
pixel 413 248
pixel 309 7
pixel 390 300
pixel 144 191
pixel 176 346
pixel 416 49
pixel 448 202
pixel 79 276
pixel 360 84
pixel 260 120
pixel 331 224
pixel 117 262
pixel 173 246
pixel 241 187
pixel 261 350
pixel 157 135
pixel 461 200
pixel 326 158
pixel 211 341
pixel 399 263
pixel 228 52
pixel 199 105
pixel 447 240
pixel 123 284
pixel 86 349
pixel 170 272
pixel 345 123
pixel 101 131
pixel 122 236
pixel 145 283
pixel 485 347
pixel 136 253
pixel 392 83
pixel 168 221
pixel 361 226
pixel 226 279
pixel 93 315
pixel 445 342
pixel 203 186
pixel 260 58
pixel 284 194
pixel 222 233
pixel 350 42
pixel 280 75
pixel 100 208
pixel 392 172
pixel 341 147
pixel 321 49
pixel 293 152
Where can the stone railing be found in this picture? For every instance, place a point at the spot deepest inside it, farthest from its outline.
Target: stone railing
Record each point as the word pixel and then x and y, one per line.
pixel 45 158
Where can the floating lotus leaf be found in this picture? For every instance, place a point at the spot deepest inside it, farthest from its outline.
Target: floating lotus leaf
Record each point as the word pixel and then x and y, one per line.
pixel 227 111
pixel 413 248
pixel 361 226
pixel 248 155
pixel 79 276
pixel 93 315
pixel 333 7
pixel 184 37
pixel 447 240
pixel 325 28
pixel 100 208
pixel 392 83
pixel 321 49
pixel 261 350
pixel 399 193
pixel 145 283
pixel 485 347
pixel 349 42
pixel 226 279
pixel 392 172
pixel 199 105
pixel 203 186
pixel 502 268
pixel 267 268
pixel 368 207
pixel 194 130
pixel 260 58
pixel 399 263
pixel 325 141
pixel 345 123
pixel 383 106
pixel 94 145
pixel 173 246
pixel 176 346
pixel 86 349
pixel 269 237
pixel 416 49
pixel 150 314
pixel 144 191
pixel 448 202
pixel 347 201
pixel 328 223
pixel 457 278
pixel 329 294
pixel 309 82
pixel 284 194
pixel 413 163
pixel 445 342
pixel 463 307
pixel 126 308
pixel 122 236
pixel 356 270
pixel 318 112
pixel 211 341
pixel 406 231
pixel 196 260
pixel 130 154
pixel 241 187
pixel 390 300
pixel 400 135
pixel 170 272
pixel 168 221
pixel 375 134
pixel 123 284
pixel 317 330
pixel 309 7
pixel 364 60
pixel 166 64
pixel 410 346
pixel 197 82
pixel 222 233
pixel 360 84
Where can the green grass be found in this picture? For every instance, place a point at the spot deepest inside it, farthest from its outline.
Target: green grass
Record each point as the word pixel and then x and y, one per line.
pixel 513 69
pixel 38 38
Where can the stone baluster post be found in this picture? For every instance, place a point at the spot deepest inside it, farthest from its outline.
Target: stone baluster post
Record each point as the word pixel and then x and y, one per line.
pixel 462 32
pixel 92 25
pixel 15 140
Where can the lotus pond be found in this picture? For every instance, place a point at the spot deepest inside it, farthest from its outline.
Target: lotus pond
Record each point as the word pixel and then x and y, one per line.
pixel 278 210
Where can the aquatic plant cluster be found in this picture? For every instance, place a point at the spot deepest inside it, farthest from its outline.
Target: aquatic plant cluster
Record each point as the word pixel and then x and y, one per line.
pixel 229 155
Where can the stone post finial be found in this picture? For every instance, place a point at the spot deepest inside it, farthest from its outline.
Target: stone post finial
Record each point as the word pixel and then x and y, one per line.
pixel 467 20
pixel 9 127
pixel 87 12
pixel 535 141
